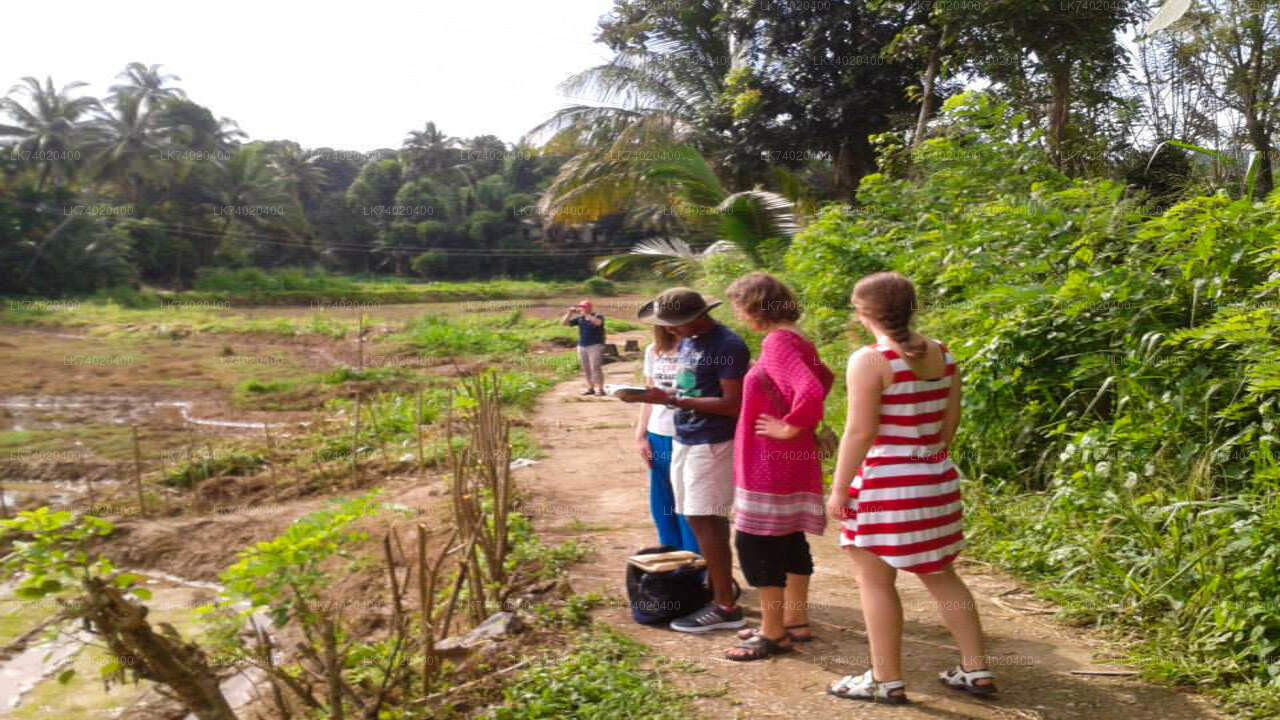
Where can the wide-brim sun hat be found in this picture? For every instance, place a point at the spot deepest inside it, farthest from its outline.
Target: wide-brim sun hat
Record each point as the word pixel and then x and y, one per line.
pixel 676 306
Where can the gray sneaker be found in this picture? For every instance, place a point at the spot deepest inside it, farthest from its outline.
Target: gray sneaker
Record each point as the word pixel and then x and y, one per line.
pixel 711 617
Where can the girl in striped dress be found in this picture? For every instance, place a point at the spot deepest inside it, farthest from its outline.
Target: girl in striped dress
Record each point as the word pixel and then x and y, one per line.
pixel 896 492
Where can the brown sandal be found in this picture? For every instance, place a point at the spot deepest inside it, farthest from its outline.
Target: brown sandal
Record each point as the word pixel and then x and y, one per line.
pixel 759 647
pixel 748 633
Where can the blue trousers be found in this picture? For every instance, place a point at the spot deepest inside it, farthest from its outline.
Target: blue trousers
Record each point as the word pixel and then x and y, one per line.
pixel 672 528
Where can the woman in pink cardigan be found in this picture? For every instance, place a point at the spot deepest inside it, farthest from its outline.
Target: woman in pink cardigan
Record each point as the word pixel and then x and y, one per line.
pixel 777 470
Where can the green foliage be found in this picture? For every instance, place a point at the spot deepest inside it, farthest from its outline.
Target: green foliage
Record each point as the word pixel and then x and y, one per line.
pixel 195 471
pixel 1121 382
pixel 245 280
pixel 603 676
pixel 50 553
pixel 596 285
pixel 285 575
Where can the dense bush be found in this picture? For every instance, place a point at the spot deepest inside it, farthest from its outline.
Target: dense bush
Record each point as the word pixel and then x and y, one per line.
pixel 1122 375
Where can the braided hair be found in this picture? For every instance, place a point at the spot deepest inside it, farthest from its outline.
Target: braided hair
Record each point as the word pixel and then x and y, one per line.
pixel 890 299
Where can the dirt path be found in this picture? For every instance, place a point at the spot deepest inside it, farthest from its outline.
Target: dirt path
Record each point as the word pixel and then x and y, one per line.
pixel 592 486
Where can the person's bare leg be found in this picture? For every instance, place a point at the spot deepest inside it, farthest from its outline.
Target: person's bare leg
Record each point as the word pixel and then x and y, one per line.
pixel 771 609
pixel 796 605
pixel 882 612
pixel 712 532
pixel 771 606
pixel 960 615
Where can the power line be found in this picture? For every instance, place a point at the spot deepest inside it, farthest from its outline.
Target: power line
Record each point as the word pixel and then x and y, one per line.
pixel 199 233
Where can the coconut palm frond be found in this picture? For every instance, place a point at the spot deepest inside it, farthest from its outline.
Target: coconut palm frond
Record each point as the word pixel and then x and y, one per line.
pixel 757 222
pixel 669 257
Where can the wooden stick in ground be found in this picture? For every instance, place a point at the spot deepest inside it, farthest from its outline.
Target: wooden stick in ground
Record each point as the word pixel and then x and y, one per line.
pixel 355 444
pixel 424 605
pixel 457 587
pixel 427 603
pixel 332 669
pixel 375 421
pixel 397 612
pixel 271 452
pixel 360 344
pixel 137 470
pixel 418 428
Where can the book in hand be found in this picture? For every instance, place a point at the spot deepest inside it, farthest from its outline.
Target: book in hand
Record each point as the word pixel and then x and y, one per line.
pixel 623 390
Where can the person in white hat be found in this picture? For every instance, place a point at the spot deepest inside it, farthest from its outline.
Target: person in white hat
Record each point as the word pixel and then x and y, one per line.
pixel 711 362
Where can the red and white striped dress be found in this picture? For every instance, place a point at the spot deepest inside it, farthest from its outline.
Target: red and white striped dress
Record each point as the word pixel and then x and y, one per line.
pixel 904 503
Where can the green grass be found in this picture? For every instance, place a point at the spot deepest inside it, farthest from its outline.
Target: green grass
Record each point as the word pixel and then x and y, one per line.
pixel 507 335
pixel 604 676
pixel 109 318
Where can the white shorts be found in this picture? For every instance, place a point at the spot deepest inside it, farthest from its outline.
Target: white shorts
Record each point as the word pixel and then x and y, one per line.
pixel 702 478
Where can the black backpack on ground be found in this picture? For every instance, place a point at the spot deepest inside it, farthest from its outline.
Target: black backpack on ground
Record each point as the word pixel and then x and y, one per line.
pixel 659 597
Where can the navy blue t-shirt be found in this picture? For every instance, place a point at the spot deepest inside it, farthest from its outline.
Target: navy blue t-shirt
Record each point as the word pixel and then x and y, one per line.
pixel 589 334
pixel 715 355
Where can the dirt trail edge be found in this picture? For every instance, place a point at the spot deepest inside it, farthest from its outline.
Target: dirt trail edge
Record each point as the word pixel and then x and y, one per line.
pixel 592 486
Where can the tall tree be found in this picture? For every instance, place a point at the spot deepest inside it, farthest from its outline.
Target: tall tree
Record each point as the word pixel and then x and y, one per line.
pixel 1062 49
pixel 50 128
pixel 147 82
pixel 826 78
pixel 428 151
pixel 125 144
pixel 1234 52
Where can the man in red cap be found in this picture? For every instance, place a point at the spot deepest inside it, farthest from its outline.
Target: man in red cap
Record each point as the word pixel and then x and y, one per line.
pixel 590 344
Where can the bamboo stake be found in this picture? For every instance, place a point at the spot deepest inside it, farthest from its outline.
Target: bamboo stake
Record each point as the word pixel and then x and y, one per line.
pixel 137 470
pixel 271 453
pixel 355 444
pixel 421 460
pixel 397 612
pixel 360 344
pixel 427 603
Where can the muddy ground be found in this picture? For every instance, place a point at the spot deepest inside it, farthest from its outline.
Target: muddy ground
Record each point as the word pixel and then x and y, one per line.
pixel 72 399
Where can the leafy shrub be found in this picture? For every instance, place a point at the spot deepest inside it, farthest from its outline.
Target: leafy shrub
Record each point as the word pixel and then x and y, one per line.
pixel 601 677
pixel 438 336
pixel 191 473
pixel 255 280
pixel 596 285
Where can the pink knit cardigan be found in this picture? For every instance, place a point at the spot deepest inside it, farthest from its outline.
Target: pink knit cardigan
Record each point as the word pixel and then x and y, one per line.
pixel 778 483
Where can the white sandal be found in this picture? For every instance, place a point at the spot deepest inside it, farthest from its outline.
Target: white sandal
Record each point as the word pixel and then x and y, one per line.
pixel 967 680
pixel 865 687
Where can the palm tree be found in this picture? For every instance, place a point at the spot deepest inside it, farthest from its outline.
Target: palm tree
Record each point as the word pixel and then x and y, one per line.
pixel 428 151
pixel 245 191
pixel 657 183
pixel 50 129
pixel 148 83
pixel 671 87
pixel 299 175
pixel 125 144
pixel 298 172
pixel 191 125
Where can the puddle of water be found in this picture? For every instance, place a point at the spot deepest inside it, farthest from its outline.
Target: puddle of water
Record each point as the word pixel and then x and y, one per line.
pixel 32 672
pixel 21 673
pixel 240 688
pixel 34 412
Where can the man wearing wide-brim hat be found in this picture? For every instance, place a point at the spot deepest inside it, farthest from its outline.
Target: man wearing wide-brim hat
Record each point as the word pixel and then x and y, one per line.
pixel 708 397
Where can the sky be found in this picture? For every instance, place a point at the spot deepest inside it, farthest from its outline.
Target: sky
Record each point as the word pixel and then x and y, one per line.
pixel 349 75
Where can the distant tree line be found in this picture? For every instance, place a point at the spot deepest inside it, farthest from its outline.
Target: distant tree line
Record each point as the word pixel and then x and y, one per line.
pixel 146 186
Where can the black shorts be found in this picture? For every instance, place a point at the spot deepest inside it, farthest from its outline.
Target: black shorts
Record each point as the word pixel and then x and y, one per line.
pixel 766 559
